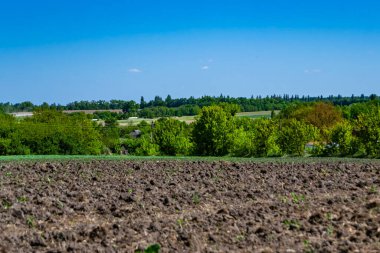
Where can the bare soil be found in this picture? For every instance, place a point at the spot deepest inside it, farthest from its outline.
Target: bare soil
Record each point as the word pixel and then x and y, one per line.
pixel 189 206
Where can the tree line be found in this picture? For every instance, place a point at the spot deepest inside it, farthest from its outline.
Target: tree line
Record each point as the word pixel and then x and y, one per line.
pixel 169 107
pixel 50 132
pixel 313 128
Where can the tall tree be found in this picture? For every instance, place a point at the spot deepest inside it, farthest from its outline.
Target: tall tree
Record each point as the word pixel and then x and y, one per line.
pixel 172 136
pixel 130 107
pixel 142 102
pixel 212 130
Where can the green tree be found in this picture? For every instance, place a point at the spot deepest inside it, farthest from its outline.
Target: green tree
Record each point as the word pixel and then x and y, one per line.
pixel 211 131
pixel 53 132
pixel 172 137
pixel 294 135
pixel 242 143
pixel 168 101
pixel 265 138
pixel 142 102
pixel 367 130
pixel 343 142
pixel 110 134
pixel 130 107
pixel 26 106
pixel 229 108
pixel 146 147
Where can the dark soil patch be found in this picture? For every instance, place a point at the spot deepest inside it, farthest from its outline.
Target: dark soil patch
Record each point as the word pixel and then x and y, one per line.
pixel 189 206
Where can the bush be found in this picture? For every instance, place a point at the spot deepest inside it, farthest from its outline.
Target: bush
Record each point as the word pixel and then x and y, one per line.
pixel 53 132
pixel 172 137
pixel 294 135
pixel 211 131
pixel 242 143
pixel 342 142
pixel 367 130
pixel 265 138
pixel 147 148
pixel 110 135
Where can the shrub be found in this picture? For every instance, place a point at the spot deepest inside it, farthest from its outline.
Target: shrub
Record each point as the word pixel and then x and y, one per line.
pixel 265 138
pixel 342 140
pixel 294 135
pixel 211 131
pixel 147 148
pixel 242 143
pixel 172 137
pixel 367 130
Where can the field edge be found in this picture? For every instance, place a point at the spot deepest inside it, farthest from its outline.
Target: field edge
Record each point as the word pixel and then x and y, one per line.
pixel 59 158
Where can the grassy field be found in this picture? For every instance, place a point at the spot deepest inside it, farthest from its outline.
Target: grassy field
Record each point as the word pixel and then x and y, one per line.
pixel 133 122
pixel 189 119
pixel 255 115
pixel 44 158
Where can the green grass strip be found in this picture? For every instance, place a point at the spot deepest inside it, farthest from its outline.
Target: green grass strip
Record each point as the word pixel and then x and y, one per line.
pixel 48 158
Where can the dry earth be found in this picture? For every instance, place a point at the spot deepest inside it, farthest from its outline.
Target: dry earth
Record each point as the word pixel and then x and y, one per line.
pixel 189 206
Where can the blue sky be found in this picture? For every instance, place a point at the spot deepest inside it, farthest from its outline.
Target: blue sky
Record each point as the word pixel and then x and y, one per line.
pixel 61 51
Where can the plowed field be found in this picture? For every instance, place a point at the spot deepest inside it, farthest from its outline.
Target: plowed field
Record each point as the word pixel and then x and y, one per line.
pixel 189 206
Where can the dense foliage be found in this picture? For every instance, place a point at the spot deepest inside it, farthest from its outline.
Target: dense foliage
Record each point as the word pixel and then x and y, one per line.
pixel 314 128
pixel 211 131
pixel 169 107
pixel 49 132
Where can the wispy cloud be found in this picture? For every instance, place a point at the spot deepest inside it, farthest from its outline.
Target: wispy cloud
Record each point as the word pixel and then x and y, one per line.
pixel 205 67
pixel 312 71
pixel 134 70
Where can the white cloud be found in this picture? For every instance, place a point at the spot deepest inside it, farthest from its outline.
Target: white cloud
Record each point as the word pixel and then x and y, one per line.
pixel 312 71
pixel 134 70
pixel 205 67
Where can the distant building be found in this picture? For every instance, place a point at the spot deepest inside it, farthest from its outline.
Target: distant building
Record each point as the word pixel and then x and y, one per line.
pixel 135 133
pixel 22 114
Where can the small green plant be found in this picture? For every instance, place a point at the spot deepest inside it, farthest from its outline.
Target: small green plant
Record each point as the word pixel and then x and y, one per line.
pixel 307 246
pixel 292 224
pixel 324 173
pixel 8 174
pixel 181 222
pixel 154 248
pixel 48 179
pixel 297 199
pixel 59 204
pixel 373 189
pixel 130 191
pixel 22 199
pixel 329 216
pixel 30 221
pixel 6 205
pixel 196 198
pixel 330 230
pixel 240 237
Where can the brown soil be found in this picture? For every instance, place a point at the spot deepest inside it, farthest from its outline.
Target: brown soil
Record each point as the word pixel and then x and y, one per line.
pixel 121 206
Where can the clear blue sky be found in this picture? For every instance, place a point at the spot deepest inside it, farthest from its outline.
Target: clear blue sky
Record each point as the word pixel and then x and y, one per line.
pixel 61 51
